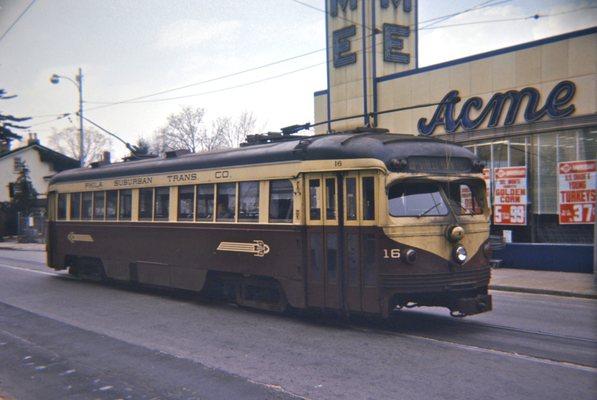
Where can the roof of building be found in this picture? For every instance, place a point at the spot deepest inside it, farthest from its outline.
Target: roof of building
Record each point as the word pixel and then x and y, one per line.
pixel 369 144
pixel 59 161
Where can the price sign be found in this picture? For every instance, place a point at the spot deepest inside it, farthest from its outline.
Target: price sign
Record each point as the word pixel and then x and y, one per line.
pixel 576 197
pixel 510 196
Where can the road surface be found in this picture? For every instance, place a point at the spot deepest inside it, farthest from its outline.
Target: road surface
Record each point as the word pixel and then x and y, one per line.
pixel 64 338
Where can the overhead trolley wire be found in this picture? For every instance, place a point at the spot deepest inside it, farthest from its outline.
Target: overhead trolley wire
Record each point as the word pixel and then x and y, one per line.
pixel 355 40
pixel 17 19
pixel 221 77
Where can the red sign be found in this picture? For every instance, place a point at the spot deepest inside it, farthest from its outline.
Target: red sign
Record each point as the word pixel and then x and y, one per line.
pixel 510 196
pixel 576 197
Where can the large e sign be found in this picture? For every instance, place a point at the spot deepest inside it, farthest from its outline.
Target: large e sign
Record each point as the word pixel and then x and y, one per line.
pixel 393 34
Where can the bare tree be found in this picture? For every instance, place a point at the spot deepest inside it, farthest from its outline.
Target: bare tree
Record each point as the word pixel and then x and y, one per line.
pixel 244 125
pixel 220 129
pixel 185 130
pixel 67 141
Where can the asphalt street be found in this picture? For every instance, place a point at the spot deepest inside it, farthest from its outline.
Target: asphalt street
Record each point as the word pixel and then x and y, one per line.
pixel 64 338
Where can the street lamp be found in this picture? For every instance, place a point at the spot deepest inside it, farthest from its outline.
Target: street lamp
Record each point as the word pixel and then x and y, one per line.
pixel 55 79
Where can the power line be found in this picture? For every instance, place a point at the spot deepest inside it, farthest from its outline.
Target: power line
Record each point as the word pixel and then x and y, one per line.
pixel 239 85
pixel 136 99
pixel 534 16
pixel 328 13
pixel 227 88
pixel 217 78
pixel 440 19
pixel 17 19
pixel 109 104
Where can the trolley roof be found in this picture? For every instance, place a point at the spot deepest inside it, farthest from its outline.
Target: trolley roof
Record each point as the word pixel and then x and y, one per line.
pixel 373 144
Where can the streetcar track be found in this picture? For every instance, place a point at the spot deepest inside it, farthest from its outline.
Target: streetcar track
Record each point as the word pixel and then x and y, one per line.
pixel 373 326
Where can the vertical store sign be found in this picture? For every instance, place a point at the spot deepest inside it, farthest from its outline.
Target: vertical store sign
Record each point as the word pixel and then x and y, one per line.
pixel 576 197
pixel 510 196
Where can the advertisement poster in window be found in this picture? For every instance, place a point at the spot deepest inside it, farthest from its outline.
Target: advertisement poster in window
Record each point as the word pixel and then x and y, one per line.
pixel 576 197
pixel 510 196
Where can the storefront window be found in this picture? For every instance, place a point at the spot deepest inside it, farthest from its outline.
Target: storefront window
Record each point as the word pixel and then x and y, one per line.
pixel 518 152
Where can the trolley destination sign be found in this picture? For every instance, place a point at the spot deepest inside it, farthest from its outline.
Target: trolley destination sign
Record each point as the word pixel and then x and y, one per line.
pixel 576 197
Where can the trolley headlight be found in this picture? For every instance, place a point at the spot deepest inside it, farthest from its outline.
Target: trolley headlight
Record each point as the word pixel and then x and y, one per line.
pixel 460 254
pixel 455 233
pixel 411 256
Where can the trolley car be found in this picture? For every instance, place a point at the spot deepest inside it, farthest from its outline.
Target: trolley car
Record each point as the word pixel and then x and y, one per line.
pixel 359 222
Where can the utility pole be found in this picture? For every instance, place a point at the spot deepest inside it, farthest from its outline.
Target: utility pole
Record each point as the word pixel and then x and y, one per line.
pixel 78 82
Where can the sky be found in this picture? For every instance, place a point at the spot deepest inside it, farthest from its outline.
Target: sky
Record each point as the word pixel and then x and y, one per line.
pixel 132 48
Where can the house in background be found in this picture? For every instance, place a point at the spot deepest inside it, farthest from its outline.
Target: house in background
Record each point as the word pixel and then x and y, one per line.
pixel 42 162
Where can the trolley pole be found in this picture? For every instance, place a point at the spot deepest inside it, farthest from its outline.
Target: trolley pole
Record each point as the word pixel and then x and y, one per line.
pixel 81 136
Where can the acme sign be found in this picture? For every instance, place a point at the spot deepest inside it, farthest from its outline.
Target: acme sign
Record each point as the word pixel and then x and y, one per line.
pixel 556 106
pixel 393 34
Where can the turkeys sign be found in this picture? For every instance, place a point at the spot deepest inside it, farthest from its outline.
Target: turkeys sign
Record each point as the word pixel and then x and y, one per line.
pixel 576 197
pixel 510 196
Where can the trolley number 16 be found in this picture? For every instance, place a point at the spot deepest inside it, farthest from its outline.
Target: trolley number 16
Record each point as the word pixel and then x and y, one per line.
pixel 391 253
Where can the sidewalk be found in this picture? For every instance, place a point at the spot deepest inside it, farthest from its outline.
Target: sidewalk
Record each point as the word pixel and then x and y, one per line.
pixel 543 282
pixel 22 246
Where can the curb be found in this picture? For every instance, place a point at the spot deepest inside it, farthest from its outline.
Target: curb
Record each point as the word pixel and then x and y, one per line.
pixel 19 249
pixel 543 291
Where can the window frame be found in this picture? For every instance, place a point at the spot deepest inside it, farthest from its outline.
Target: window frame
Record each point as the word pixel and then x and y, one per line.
pixel 115 218
pixel 64 197
pixel 271 220
pixel 238 200
pixel 319 192
pixel 216 203
pixel 93 217
pixel 119 215
pixel 213 199
pixel 155 204
pixel 139 217
pixel 193 207
pixel 71 216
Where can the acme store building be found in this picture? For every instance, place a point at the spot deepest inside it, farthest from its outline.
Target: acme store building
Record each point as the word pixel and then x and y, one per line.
pixel 529 111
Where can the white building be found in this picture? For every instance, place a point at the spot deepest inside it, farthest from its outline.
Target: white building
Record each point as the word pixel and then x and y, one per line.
pixel 41 161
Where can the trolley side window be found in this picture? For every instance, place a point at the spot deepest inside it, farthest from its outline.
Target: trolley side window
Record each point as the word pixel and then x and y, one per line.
pixel 314 199
pixel 205 202
pixel 111 204
pixel 86 205
pixel 248 201
pixel 416 199
pixel 351 199
pixel 145 204
pixel 61 206
pixel 161 203
pixel 75 206
pixel 368 198
pixel 125 205
pixel 98 205
pixel 280 201
pixel 186 200
pixel 226 202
